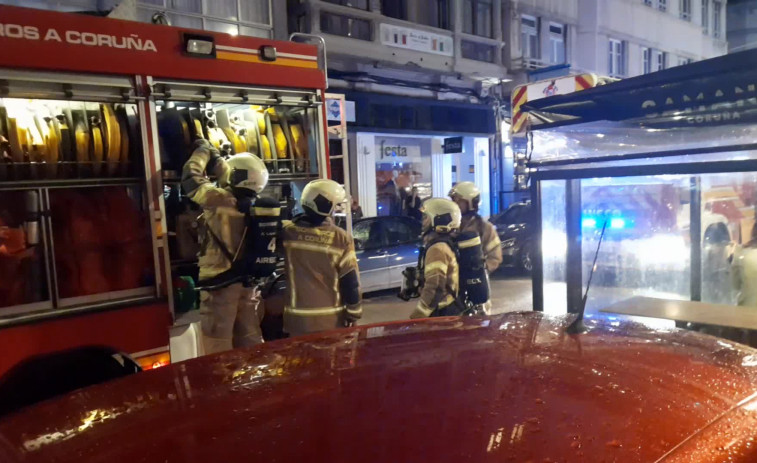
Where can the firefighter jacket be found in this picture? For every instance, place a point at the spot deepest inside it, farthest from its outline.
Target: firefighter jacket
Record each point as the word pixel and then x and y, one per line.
pixel 222 225
pixel 745 275
pixel 317 258
pixel 441 275
pixel 490 243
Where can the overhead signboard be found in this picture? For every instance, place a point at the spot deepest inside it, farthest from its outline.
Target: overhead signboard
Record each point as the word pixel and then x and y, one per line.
pixel 416 39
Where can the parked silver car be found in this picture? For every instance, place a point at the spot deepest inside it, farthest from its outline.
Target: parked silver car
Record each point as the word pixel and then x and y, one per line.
pixel 384 247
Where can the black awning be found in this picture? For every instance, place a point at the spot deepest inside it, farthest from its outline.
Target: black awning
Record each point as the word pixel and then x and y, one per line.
pixel 727 83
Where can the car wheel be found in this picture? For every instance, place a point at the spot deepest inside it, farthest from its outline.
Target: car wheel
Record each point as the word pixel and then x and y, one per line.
pixel 524 260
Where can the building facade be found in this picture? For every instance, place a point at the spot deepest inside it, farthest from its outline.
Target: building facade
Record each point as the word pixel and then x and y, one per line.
pixel 418 72
pixel 616 38
pixel 742 25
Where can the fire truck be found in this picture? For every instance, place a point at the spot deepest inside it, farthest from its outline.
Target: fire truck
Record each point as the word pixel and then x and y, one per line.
pixel 97 117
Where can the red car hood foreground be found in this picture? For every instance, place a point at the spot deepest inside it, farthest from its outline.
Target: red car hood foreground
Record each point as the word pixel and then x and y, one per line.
pixel 508 388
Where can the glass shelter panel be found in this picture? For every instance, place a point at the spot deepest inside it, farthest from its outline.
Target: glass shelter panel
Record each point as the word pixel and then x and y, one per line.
pixel 645 250
pixel 554 246
pixel 728 238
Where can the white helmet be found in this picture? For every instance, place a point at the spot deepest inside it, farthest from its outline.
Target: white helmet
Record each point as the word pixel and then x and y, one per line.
pixel 322 196
pixel 442 214
pixel 247 171
pixel 467 191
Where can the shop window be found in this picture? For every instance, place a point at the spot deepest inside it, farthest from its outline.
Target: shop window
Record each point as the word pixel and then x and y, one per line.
pixel 359 4
pixel 529 37
pixel 345 26
pixel 394 8
pixel 478 51
pixel 477 17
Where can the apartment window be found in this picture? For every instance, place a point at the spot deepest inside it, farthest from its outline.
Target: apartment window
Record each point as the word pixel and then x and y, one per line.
pixel 706 16
pixel 660 60
pixel 648 2
pixel 435 13
pixel 662 5
pixel 617 58
pixel 529 37
pixel 477 17
pixel 684 61
pixel 653 60
pixel 345 26
pixel 556 43
pixel 394 8
pixel 478 51
pixel 646 60
pixel 359 4
pixel 717 12
pixel 249 17
pixel 685 10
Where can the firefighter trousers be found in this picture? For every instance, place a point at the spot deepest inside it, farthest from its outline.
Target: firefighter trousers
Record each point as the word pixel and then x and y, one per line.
pixel 231 318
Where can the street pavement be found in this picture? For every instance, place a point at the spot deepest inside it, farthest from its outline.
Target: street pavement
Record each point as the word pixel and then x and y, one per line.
pixel 511 291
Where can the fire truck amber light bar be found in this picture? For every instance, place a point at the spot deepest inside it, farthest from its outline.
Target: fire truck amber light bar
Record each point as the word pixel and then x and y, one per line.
pixel 201 46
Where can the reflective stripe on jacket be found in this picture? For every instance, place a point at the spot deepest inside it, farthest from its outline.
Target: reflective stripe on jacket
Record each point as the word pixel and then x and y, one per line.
pixel 441 274
pixel 490 243
pixel 316 257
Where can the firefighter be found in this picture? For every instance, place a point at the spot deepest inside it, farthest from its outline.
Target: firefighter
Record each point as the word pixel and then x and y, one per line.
pixel 230 314
pixel 441 219
pixel 468 196
pixel 323 290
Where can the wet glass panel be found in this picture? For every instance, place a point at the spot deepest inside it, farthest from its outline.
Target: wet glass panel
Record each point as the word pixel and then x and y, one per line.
pixel 646 250
pixel 554 246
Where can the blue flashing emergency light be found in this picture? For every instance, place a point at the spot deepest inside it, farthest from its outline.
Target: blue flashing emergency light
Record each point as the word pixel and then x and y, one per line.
pixel 589 222
pixel 617 223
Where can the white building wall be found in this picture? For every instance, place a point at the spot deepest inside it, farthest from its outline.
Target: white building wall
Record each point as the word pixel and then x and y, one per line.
pixel 591 23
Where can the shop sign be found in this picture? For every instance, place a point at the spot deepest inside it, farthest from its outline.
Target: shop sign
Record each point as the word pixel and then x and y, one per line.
pixel 453 145
pixel 398 153
pixel 415 39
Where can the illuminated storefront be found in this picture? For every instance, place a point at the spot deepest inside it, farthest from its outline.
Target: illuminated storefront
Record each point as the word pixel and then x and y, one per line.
pixel 399 144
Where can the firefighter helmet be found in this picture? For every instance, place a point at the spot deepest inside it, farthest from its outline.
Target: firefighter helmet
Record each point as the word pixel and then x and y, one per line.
pixel 247 172
pixel 466 191
pixel 441 215
pixel 320 197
